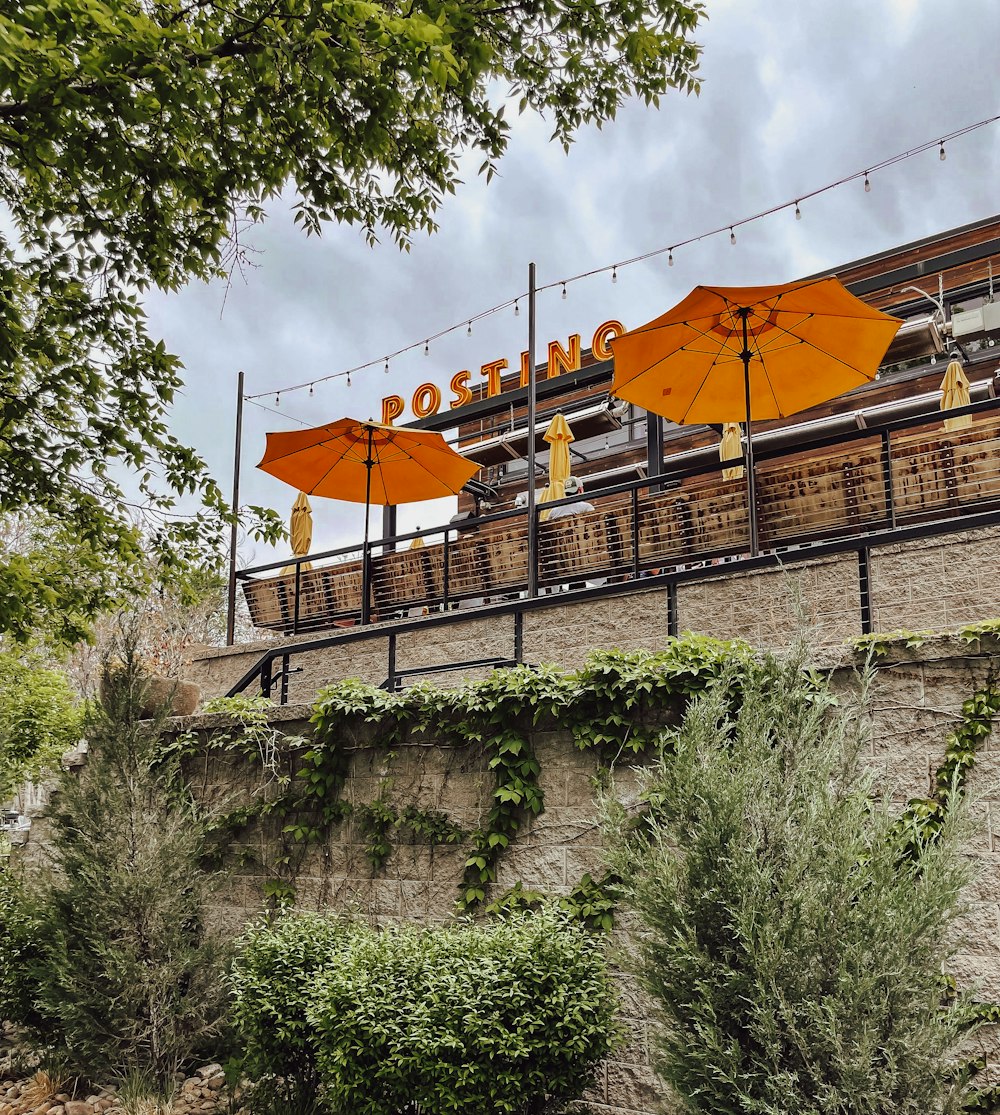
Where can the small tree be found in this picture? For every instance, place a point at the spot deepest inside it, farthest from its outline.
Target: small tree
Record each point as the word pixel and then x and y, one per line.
pixel 128 978
pixel 793 950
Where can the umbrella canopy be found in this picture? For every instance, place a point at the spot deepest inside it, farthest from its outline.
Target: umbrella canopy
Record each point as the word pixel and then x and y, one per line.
pixel 955 394
pixel 731 446
pixel 366 462
pixel 559 436
pixel 793 346
pixel 301 531
pixel 733 354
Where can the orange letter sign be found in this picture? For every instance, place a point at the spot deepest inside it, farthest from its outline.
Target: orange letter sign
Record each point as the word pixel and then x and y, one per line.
pixel 492 372
pixel 562 361
pixel 392 407
pixel 599 345
pixel 460 386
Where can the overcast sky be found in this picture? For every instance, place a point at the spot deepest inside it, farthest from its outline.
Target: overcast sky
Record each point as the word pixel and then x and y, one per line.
pixel 795 94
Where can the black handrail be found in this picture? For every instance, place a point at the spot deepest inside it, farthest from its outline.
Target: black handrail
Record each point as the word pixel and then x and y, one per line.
pixel 880 430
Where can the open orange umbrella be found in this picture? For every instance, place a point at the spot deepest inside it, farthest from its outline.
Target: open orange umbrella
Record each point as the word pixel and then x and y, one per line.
pixel 732 354
pixel 367 462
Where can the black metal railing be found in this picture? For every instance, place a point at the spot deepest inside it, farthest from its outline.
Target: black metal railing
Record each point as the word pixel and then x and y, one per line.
pixel 839 486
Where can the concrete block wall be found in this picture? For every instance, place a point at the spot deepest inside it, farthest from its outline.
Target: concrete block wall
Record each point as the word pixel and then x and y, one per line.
pixel 931 584
pixel 916 700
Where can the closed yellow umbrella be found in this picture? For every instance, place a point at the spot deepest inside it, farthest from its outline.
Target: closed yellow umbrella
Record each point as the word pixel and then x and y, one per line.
pixel 559 436
pixel 417 543
pixel 301 531
pixel 955 394
pixel 731 447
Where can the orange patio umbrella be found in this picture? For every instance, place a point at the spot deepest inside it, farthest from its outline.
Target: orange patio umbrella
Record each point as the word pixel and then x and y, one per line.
pixel 367 462
pixel 733 354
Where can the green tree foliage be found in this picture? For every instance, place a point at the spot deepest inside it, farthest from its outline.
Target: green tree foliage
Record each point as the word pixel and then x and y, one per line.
pixel 509 1017
pixel 40 718
pixel 126 979
pixel 139 138
pixel 793 935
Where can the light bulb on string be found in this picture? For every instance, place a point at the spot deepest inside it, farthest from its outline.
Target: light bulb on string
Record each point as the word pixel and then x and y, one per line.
pixel 941 153
pixel 348 379
pixel 798 212
pixel 468 331
pixel 614 273
pixel 670 257
pixel 427 348
pixel 564 291
pixel 517 309
pixel 277 400
pixel 385 369
pixel 311 391
pixel 868 185
pixel 732 235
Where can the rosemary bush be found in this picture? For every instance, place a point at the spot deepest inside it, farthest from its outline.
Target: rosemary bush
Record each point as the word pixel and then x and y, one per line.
pixel 793 930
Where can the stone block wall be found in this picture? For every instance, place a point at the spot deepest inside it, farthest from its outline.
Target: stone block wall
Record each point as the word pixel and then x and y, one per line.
pixel 916 700
pixel 931 584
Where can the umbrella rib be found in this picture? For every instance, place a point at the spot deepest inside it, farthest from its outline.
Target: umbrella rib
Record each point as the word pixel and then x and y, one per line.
pixel 767 378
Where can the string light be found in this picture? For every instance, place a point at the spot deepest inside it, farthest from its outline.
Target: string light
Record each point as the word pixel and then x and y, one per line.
pixel 348 379
pixel 386 368
pixel 864 175
pixel 468 331
pixel 277 400
pixel 564 291
pixel 311 392
pixel 798 212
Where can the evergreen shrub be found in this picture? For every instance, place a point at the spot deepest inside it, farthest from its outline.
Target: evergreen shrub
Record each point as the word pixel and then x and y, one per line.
pixel 793 929
pixel 513 1016
pixel 128 979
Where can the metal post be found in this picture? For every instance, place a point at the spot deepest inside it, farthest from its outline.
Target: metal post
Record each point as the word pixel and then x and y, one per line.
pixel 864 590
pixel 672 609
pixel 366 572
pixel 445 572
pixel 654 446
pixel 890 498
pixel 751 482
pixel 532 519
pixel 234 536
pixel 388 526
pixel 298 598
pixel 635 534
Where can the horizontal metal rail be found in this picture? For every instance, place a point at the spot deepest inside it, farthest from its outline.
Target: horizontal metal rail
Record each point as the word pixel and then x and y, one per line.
pixel 861 545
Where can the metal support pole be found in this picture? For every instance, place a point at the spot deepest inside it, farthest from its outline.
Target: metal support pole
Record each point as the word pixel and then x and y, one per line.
pixel 864 590
pixel 672 609
pixel 532 518
pixel 234 535
pixel 890 497
pixel 388 526
pixel 751 480
pixel 654 446
pixel 366 560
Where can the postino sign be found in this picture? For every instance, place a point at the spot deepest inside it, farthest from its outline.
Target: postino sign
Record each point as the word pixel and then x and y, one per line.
pixel 428 399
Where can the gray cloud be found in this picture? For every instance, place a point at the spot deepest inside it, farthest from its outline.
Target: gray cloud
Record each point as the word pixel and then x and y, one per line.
pixel 794 95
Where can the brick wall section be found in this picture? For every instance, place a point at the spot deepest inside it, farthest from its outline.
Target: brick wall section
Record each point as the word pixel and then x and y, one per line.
pixel 916 586
pixel 917 699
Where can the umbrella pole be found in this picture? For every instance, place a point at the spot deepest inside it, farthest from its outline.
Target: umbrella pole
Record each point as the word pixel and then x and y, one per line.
pixel 751 482
pixel 365 555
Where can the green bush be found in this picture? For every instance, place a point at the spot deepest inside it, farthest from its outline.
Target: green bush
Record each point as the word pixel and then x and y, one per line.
pixel 20 955
pixel 129 980
pixel 272 981
pixel 39 718
pixel 509 1017
pixel 795 932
